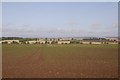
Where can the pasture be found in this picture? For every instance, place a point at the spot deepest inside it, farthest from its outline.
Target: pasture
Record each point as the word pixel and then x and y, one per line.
pixel 59 61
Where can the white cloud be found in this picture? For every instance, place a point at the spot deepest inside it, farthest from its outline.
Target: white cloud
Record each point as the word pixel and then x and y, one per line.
pixel 33 31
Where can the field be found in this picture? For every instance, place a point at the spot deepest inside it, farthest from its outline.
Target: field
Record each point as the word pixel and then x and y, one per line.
pixel 60 61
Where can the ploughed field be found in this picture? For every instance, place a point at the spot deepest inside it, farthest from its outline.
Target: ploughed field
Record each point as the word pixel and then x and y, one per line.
pixel 59 61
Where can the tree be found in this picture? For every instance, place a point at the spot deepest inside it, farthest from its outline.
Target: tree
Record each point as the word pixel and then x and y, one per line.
pixel 72 39
pixel 14 42
pixel 74 42
pixel 4 42
pixel 90 42
pixel 45 42
pixel 46 39
pixel 58 39
pixel 23 41
pixel 54 42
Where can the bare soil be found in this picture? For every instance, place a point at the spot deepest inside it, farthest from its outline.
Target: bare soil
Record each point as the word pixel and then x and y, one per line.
pixel 26 61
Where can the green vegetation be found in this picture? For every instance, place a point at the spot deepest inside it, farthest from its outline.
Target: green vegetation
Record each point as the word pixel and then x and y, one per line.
pixel 4 42
pixel 74 42
pixel 14 42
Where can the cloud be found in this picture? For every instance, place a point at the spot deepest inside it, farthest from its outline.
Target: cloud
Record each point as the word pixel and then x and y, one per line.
pixel 17 30
pixel 27 30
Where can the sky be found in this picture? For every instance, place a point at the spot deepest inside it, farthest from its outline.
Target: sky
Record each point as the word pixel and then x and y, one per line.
pixel 60 19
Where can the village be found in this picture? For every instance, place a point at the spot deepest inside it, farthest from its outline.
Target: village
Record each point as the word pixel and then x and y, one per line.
pixel 108 40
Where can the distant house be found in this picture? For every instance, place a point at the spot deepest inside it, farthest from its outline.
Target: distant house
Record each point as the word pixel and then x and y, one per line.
pixel 112 38
pixel 96 42
pixel 85 42
pixel 91 42
pixel 63 42
pixel 11 41
pixel 31 42
pixel 65 39
pixel 41 41
pixel 112 42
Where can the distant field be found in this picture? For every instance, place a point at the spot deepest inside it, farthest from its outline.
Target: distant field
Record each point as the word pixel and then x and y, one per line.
pixel 60 61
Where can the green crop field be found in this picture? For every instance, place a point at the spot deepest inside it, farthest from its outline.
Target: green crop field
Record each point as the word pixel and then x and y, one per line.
pixel 60 61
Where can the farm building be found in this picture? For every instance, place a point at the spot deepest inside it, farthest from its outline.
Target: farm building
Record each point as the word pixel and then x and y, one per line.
pixel 63 42
pixel 96 42
pixel 85 42
pixel 41 41
pixel 31 42
pixel 11 41
pixel 0 42
pixel 92 42
pixel 65 39
pixel 112 38
pixel 112 42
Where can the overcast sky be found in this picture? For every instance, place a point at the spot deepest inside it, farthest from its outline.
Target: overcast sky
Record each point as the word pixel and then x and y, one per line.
pixel 67 19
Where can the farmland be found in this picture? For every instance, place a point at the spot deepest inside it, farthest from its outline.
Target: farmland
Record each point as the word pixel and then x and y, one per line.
pixel 59 61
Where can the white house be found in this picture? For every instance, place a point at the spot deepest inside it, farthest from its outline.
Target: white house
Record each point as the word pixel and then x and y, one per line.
pixel 96 42
pixel 112 42
pixel 10 41
pixel 63 42
pixel 85 42
pixel 112 38
pixel 41 42
pixel 65 39
pixel 31 42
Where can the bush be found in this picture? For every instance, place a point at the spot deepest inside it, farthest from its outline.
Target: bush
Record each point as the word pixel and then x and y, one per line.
pixel 54 42
pixel 74 42
pixel 4 42
pixel 14 42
